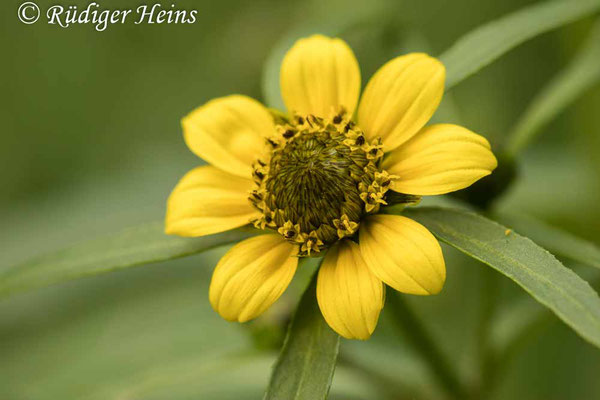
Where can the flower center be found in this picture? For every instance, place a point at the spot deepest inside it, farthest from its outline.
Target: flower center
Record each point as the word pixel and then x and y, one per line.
pixel 319 179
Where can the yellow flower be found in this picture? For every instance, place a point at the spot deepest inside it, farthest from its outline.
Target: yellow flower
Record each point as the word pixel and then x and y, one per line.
pixel 316 178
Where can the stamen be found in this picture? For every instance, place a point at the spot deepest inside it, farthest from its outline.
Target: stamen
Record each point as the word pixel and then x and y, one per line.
pixel 288 133
pixel 321 178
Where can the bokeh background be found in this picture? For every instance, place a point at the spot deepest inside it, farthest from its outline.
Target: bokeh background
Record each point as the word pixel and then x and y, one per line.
pixel 91 143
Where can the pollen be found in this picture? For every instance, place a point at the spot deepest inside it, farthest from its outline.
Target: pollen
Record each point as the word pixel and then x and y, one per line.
pixel 319 178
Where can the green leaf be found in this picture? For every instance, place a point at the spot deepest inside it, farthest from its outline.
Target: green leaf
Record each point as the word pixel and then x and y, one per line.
pixel 307 361
pixel 483 45
pixel 557 241
pixel 581 74
pixel 533 268
pixel 517 320
pixel 148 334
pixel 129 248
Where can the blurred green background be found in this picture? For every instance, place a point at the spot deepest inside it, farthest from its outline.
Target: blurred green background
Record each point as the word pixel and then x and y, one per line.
pixel 91 143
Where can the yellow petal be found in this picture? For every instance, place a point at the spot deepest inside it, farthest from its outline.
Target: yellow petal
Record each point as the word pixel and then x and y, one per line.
pixel 229 132
pixel 318 76
pixel 251 276
pixel 349 295
pixel 403 254
pixel 400 98
pixel 206 201
pixel 440 159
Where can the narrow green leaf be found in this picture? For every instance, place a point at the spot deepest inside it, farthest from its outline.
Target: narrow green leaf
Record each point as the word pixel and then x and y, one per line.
pixel 519 318
pixel 307 361
pixel 136 246
pixel 483 45
pixel 581 74
pixel 533 268
pixel 557 241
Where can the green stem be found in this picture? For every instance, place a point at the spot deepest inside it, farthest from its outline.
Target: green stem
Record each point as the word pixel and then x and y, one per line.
pixel 388 388
pixel 487 359
pixel 414 330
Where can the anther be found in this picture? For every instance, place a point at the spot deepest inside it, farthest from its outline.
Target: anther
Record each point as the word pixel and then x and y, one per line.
pixel 288 134
pixel 322 176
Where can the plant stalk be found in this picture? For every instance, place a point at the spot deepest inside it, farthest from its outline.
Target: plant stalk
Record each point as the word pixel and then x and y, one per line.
pixel 422 341
pixel 487 358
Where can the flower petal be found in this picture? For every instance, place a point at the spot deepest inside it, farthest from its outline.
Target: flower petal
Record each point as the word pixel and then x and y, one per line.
pixel 206 201
pixel 251 276
pixel 229 132
pixel 349 295
pixel 318 76
pixel 403 254
pixel 441 158
pixel 400 98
